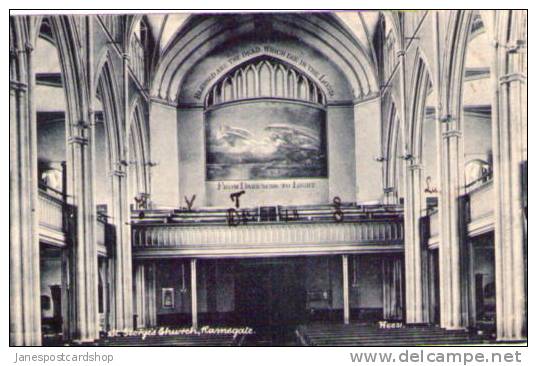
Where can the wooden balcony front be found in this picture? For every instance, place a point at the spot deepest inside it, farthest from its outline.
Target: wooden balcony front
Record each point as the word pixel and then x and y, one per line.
pixel 57 220
pixel 481 209
pixel 267 231
pixel 52 219
pixel 478 211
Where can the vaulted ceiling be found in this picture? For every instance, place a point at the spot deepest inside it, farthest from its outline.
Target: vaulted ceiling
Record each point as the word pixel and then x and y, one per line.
pixel 166 26
pixel 346 37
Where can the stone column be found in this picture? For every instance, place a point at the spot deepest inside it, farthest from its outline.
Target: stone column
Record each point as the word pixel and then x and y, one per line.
pixel 450 173
pixel 24 289
pixel 85 281
pixel 346 308
pixel 194 293
pixel 140 294
pixel 122 265
pixel 509 153
pixel 451 310
pixel 92 252
pixel 415 265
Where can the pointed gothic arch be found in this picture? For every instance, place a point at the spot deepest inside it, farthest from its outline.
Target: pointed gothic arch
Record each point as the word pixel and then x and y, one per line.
pixel 139 146
pixel 422 87
pixel 107 92
pixel 258 79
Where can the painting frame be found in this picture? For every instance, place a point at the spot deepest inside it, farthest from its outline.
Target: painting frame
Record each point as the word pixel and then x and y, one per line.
pixel 168 298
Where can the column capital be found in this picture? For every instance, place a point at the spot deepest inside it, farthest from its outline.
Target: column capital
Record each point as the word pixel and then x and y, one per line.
pixel 512 77
pixel 18 86
pixel 125 56
pixel 401 53
pixel 77 140
pixel 451 133
pixel 28 47
pixel 389 190
pixel 118 173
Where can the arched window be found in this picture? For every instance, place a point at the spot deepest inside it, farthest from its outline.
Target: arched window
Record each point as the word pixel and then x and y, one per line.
pixel 264 78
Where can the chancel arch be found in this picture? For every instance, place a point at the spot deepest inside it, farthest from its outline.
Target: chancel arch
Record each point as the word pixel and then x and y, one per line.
pixel 351 56
pixel 252 69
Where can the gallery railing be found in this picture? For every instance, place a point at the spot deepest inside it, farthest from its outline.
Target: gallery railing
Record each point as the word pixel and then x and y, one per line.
pixel 481 201
pixel 476 209
pixel 50 209
pixel 57 218
pixel 57 221
pixel 345 224
pixel 268 214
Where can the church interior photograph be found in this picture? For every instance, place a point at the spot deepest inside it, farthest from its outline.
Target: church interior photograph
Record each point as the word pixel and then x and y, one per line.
pixel 319 178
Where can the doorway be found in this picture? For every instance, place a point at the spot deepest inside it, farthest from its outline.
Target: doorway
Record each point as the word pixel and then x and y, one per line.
pixel 434 287
pixel 53 289
pixel 482 290
pixel 270 297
